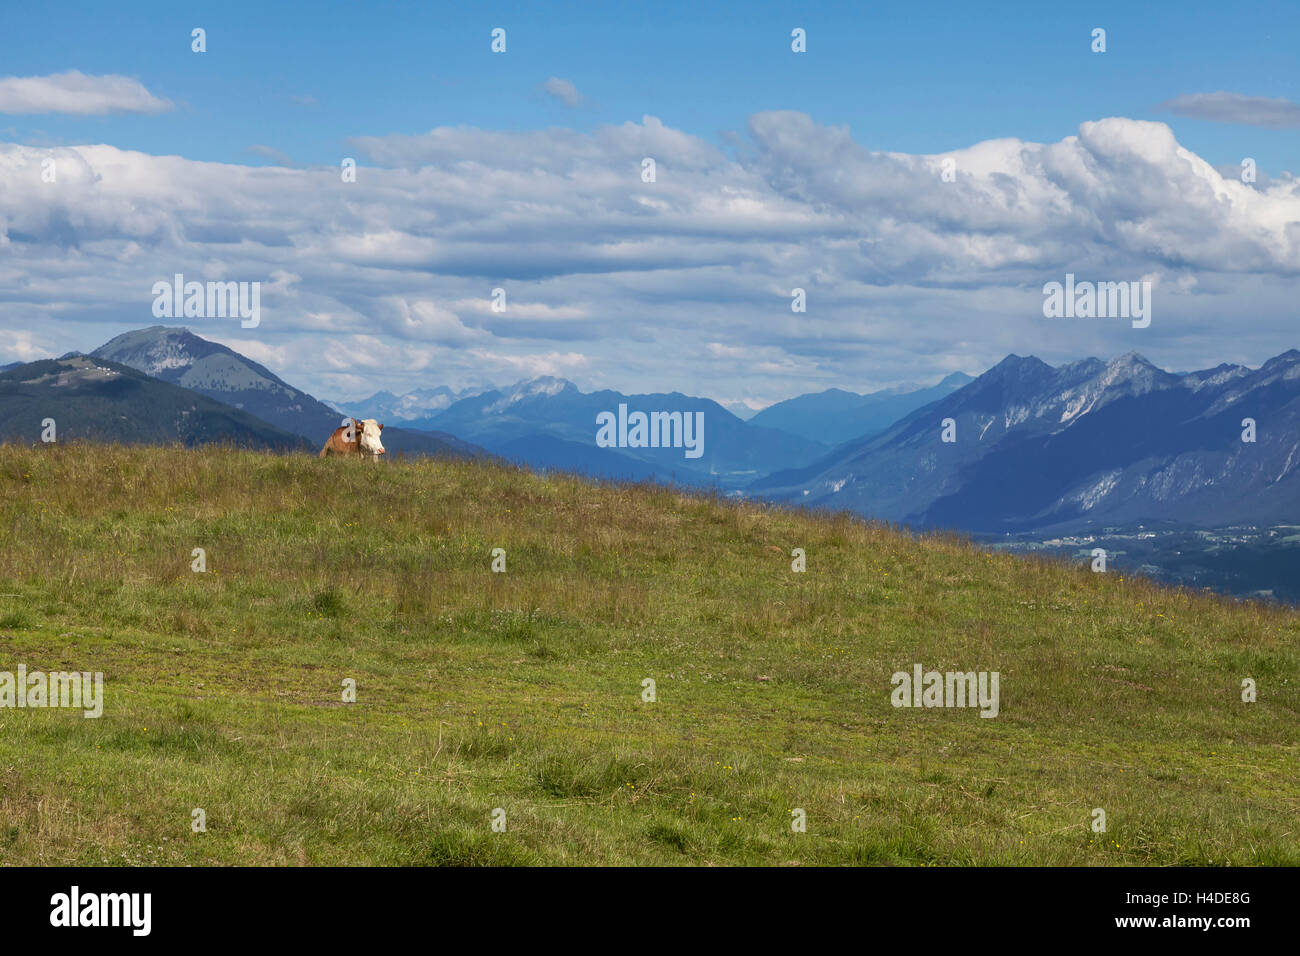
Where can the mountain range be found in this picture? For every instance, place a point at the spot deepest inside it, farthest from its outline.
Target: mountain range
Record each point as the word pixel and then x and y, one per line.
pixel 836 416
pixel 180 357
pixel 417 403
pixel 1033 447
pixel 101 400
pixel 1086 444
pixel 549 422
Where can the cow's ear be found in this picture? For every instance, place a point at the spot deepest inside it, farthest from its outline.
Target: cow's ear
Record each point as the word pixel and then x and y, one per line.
pixel 381 426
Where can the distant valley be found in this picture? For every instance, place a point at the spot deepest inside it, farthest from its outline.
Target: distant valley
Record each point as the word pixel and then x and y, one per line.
pixel 1245 561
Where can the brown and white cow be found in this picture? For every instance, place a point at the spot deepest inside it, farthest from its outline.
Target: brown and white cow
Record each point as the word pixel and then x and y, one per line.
pixel 355 437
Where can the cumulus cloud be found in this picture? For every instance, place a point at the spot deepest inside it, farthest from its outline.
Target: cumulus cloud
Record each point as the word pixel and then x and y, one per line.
pixel 1224 107
pixel 683 283
pixel 24 345
pixel 75 92
pixel 564 91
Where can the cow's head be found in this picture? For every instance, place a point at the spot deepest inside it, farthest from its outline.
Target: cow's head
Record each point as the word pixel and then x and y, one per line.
pixel 368 434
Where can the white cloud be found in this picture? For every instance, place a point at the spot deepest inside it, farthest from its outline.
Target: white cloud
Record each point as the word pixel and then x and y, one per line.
pixel 424 320
pixel 369 353
pixel 22 345
pixel 532 366
pixel 75 92
pixel 682 283
pixel 523 310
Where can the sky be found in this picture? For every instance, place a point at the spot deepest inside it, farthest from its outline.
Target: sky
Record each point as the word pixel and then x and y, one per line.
pixel 820 170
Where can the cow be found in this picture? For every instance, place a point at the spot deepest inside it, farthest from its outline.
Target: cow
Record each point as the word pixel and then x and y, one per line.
pixel 355 437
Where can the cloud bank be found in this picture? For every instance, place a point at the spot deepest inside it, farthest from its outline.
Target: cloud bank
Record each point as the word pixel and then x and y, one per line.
pixel 684 282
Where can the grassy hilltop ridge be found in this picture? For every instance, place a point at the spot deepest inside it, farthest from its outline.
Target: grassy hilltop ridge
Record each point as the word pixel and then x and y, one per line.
pixel 522 690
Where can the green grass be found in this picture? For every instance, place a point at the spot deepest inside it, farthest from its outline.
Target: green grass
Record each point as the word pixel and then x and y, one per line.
pixel 523 690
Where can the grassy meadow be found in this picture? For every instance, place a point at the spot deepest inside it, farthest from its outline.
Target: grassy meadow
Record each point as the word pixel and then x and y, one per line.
pixel 523 690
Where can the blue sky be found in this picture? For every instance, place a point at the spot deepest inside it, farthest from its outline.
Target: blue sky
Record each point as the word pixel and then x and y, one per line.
pixel 910 77
pixel 815 170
